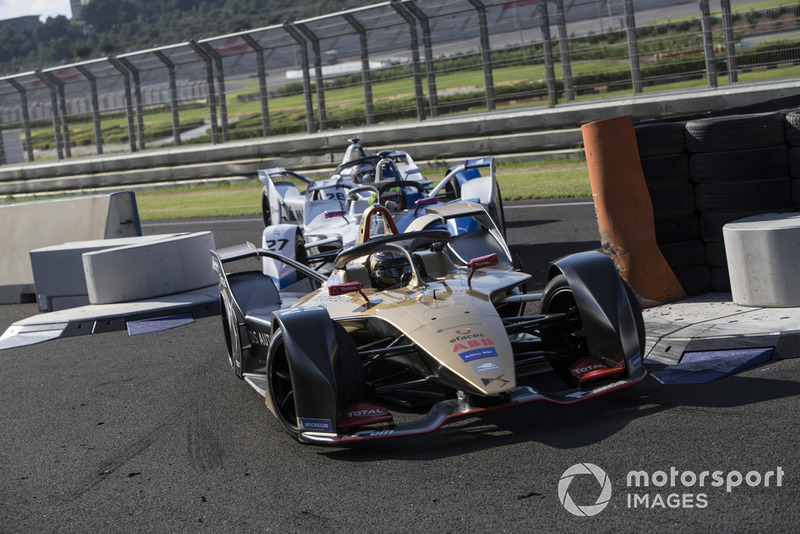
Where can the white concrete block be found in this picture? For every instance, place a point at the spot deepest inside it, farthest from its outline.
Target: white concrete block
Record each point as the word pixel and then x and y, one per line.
pixel 58 274
pixel 31 225
pixel 764 259
pixel 175 264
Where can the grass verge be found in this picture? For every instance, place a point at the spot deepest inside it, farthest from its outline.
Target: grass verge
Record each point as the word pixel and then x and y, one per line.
pixel 549 179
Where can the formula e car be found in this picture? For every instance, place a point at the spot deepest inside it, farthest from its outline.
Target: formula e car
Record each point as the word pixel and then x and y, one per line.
pixel 399 340
pixel 282 201
pixel 315 225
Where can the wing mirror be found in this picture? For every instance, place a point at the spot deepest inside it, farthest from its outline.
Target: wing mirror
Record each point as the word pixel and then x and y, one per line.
pixel 332 214
pixel 477 263
pixel 349 287
pixel 424 201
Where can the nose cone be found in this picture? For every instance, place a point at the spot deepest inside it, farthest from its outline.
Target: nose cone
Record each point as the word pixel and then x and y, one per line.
pixel 472 351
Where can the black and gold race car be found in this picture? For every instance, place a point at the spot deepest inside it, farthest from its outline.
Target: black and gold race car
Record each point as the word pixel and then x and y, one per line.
pixel 400 338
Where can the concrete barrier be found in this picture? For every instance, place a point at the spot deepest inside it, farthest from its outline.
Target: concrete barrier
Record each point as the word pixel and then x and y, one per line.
pixel 33 225
pixel 148 269
pixel 763 256
pixel 58 273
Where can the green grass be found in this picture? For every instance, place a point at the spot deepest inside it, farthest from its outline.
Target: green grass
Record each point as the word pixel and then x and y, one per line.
pixel 550 179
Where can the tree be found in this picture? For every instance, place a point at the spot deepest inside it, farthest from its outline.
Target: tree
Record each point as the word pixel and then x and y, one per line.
pixel 106 15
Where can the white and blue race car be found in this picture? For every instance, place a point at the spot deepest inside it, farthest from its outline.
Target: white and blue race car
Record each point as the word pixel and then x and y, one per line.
pixel 314 225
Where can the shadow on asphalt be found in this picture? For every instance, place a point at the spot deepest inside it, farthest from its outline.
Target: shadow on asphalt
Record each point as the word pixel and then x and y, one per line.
pixel 573 426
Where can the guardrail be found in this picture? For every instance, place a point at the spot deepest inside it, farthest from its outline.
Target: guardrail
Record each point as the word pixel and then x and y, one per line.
pixel 525 134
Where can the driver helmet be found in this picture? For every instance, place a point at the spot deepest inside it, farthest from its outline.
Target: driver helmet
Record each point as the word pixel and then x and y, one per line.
pixel 363 174
pixel 389 269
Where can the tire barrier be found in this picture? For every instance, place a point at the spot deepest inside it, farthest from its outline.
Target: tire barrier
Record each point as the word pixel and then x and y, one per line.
pixel 625 212
pixel 738 166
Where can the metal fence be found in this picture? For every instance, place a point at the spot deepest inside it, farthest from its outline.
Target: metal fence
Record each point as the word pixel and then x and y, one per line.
pixel 396 60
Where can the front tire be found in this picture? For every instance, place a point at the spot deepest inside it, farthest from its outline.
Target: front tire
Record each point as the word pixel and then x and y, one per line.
pixel 557 297
pixel 348 371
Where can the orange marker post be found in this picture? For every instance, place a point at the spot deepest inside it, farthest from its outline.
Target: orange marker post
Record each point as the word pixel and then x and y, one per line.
pixel 625 212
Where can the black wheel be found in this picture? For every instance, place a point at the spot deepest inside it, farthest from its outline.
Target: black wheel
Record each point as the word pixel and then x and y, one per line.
pixel 557 297
pixel 735 132
pixel 677 228
pixel 300 252
pixel 265 209
pixel 672 199
pixel 280 389
pixel 232 339
pixel 684 255
pixel 764 194
pixel 695 281
pixel 499 215
pixel 349 373
pixel 660 138
pixel 792 128
pixel 665 169
pixel 733 165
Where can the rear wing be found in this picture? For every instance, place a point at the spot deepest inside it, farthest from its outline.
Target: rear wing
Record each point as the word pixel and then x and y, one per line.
pixel 469 170
pixel 276 173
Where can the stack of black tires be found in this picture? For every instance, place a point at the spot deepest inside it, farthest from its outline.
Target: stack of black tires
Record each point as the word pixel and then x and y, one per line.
pixel 704 173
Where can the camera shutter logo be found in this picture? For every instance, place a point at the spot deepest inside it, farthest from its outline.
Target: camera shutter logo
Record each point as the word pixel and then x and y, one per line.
pixel 584 469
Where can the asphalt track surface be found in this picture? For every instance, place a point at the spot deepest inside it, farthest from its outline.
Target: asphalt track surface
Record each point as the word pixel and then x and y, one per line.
pixel 152 433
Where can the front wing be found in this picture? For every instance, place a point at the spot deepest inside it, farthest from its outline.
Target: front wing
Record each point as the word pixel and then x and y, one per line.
pixel 444 411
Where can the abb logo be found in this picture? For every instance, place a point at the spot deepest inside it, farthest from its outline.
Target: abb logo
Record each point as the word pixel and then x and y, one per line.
pixel 472 343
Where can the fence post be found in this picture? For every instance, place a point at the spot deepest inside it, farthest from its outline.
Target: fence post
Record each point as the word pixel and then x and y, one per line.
pixel 298 37
pixel 262 81
pixel 173 96
pixel 366 76
pixel 26 118
pixel 486 53
pixel 98 131
pixel 412 31
pixel 56 119
pixel 708 44
pixel 212 95
pixel 137 92
pixel 563 45
pixel 223 99
pixel 633 47
pixel 547 45
pixel 730 43
pixel 430 69
pixel 320 81
pixel 2 143
pixel 62 99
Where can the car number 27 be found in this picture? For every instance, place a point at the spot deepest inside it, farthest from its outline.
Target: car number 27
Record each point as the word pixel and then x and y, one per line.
pixel 276 245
